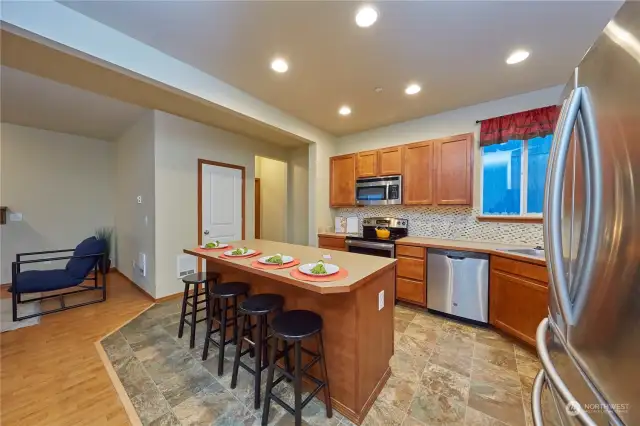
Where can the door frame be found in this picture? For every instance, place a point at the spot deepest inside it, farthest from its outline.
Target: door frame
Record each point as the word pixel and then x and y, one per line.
pixel 202 162
pixel 258 209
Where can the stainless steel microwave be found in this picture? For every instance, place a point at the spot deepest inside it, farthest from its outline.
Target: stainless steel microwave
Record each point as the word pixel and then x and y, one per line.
pixel 379 191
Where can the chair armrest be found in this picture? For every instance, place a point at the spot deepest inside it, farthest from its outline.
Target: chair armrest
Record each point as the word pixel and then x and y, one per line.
pixel 33 253
pixel 24 262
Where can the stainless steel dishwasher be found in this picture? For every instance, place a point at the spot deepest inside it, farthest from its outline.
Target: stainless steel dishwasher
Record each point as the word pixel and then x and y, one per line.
pixel 458 283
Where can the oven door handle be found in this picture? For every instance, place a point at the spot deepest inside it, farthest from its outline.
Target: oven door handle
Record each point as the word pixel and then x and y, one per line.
pixel 367 244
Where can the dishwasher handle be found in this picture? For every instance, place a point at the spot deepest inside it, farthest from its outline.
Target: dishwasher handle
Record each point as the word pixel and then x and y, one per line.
pixel 457 254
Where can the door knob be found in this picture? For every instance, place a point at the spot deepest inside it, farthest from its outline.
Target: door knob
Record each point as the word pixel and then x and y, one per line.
pixel 206 232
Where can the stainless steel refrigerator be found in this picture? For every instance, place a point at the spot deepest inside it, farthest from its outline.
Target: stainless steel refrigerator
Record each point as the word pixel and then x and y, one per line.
pixel 589 345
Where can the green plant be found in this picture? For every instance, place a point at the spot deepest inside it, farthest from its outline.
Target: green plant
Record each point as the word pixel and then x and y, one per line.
pixel 105 233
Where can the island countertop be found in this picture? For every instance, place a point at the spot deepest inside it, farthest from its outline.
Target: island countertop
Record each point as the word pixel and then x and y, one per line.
pixel 361 268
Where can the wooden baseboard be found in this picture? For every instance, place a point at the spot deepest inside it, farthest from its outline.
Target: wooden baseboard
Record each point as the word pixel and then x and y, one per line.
pixel 169 297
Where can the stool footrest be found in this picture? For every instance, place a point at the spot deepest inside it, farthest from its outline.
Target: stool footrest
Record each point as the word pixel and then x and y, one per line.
pixel 304 403
pixel 198 302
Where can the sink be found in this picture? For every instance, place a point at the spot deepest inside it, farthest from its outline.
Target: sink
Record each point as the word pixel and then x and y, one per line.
pixel 526 251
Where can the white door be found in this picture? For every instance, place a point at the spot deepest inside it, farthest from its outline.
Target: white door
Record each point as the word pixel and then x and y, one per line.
pixel 221 204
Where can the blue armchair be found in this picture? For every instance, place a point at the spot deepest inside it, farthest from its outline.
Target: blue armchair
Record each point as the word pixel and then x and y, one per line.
pixel 85 258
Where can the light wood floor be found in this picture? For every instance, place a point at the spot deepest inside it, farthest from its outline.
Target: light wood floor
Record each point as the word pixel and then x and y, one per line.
pixel 51 374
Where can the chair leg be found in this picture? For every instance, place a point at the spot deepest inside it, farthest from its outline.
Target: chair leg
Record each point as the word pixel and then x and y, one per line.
pixel 183 312
pixel 252 351
pixel 194 314
pixel 297 383
pixel 235 320
pixel 259 340
pixel 14 304
pixel 236 358
pixel 325 376
pixel 223 334
pixel 267 395
pixel 287 362
pixel 209 320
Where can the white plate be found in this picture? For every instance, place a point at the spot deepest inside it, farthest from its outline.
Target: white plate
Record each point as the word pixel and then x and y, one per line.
pixel 248 253
pixel 285 259
pixel 219 246
pixel 307 267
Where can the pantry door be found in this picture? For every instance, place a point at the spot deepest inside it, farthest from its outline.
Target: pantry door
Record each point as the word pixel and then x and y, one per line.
pixel 221 202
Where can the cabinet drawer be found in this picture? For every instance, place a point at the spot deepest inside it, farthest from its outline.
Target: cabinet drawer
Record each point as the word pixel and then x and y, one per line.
pixel 411 291
pixel 410 251
pixel 523 269
pixel 333 243
pixel 410 268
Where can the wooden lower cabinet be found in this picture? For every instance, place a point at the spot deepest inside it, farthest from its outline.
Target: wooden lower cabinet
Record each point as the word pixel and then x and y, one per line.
pixel 411 273
pixel 517 303
pixel 332 243
pixel 411 291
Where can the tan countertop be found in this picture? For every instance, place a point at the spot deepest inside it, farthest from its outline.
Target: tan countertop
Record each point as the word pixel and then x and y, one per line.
pixel 477 246
pixel 335 234
pixel 361 268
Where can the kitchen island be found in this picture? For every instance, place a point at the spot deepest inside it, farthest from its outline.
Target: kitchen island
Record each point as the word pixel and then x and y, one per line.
pixel 357 312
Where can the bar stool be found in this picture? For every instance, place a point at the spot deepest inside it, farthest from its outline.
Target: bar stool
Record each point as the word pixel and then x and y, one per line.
pixel 258 306
pixel 295 326
pixel 195 280
pixel 221 293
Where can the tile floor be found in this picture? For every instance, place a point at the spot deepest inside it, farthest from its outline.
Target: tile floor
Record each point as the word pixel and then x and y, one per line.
pixel 443 373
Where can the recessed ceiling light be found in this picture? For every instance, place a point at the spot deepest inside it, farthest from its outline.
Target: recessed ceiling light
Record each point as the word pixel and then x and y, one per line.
pixel 517 56
pixel 279 65
pixel 366 16
pixel 412 89
pixel 344 110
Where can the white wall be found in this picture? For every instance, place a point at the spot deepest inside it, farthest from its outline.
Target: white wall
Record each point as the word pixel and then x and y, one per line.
pixel 448 123
pixel 273 198
pixel 298 193
pixel 179 143
pixel 63 186
pixel 65 26
pixel 135 223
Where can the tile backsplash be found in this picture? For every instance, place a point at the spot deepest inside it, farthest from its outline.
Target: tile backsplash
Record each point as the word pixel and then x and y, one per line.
pixel 454 223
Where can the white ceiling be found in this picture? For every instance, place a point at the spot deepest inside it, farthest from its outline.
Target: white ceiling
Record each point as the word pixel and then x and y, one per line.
pixel 33 101
pixel 455 49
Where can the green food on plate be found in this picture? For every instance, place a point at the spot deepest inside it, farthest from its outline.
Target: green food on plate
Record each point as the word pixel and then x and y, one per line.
pixel 240 251
pixel 215 244
pixel 277 259
pixel 319 269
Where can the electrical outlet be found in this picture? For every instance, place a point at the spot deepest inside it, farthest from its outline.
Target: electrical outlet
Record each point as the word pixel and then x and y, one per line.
pixel 381 300
pixel 139 199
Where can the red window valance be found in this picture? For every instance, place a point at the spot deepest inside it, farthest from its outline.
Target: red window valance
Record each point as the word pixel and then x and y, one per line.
pixel 530 124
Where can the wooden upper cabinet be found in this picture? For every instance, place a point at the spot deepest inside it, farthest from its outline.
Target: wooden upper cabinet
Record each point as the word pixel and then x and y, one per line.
pixel 390 160
pixel 418 173
pixel 367 165
pixel 454 170
pixel 342 180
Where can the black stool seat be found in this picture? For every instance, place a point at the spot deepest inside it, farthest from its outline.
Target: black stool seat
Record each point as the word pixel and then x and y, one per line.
pixel 262 304
pixel 230 289
pixel 297 324
pixel 200 277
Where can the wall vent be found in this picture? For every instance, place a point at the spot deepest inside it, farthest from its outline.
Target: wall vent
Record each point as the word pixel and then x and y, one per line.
pixel 186 265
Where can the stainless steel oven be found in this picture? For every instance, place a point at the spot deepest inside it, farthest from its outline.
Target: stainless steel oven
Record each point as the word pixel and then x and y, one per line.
pixel 379 191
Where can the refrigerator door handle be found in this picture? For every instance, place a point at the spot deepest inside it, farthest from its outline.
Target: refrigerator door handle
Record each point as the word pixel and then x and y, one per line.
pixel 553 206
pixel 536 398
pixel 552 375
pixel 593 211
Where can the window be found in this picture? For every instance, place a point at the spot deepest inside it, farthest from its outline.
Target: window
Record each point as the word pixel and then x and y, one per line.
pixel 513 176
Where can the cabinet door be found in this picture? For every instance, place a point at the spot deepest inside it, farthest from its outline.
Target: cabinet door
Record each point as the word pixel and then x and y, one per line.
pixel 367 164
pixel 390 161
pixel 418 173
pixel 343 180
pixel 517 305
pixel 454 170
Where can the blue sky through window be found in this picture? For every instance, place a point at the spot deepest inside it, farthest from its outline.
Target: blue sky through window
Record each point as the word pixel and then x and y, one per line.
pixel 502 180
